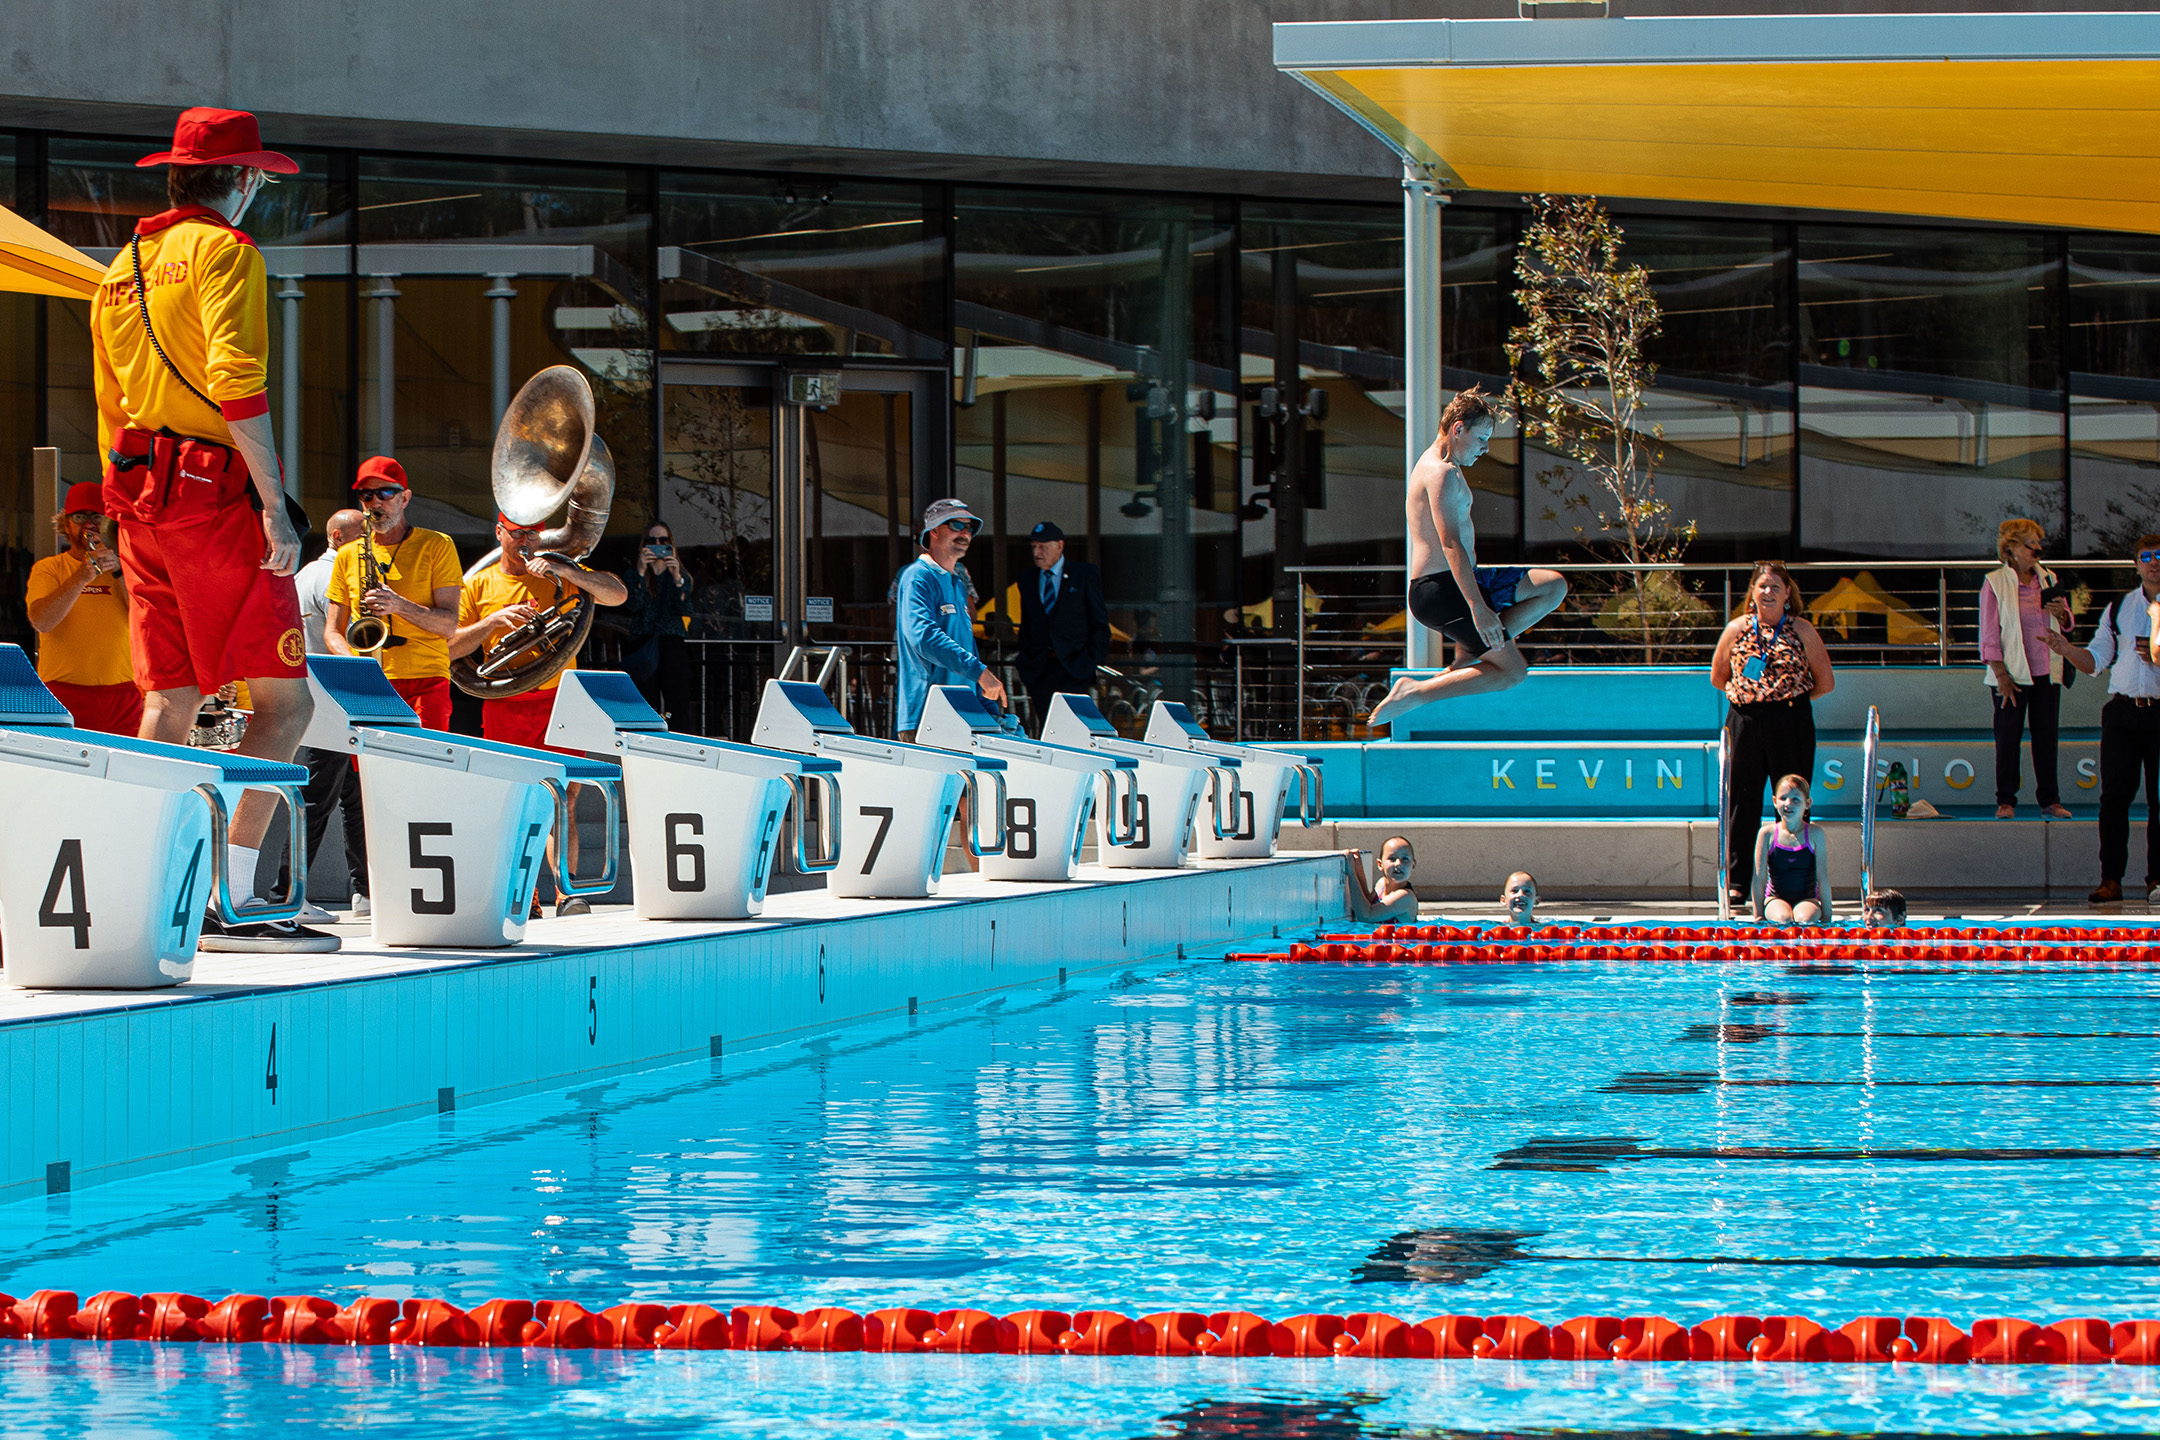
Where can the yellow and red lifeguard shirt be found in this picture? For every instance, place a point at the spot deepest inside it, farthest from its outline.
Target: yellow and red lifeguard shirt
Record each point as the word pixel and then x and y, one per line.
pixel 492 590
pixel 89 647
pixel 210 305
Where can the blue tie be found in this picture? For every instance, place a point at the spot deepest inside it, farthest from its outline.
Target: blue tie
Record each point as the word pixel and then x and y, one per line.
pixel 1049 592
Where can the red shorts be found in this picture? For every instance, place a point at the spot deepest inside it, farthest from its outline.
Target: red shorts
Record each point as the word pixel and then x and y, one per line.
pixel 114 709
pixel 521 720
pixel 202 609
pixel 429 698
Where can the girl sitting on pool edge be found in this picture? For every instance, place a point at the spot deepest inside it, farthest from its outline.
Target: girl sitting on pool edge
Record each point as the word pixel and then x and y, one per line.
pixel 1792 864
pixel 1392 899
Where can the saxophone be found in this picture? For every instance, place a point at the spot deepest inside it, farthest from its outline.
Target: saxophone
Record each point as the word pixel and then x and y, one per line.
pixel 367 634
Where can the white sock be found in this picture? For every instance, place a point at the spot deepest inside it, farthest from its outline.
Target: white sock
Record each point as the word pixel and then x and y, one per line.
pixel 240 868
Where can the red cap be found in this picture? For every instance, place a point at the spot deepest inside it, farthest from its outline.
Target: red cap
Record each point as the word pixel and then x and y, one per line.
pixel 204 136
pixel 381 470
pixel 84 497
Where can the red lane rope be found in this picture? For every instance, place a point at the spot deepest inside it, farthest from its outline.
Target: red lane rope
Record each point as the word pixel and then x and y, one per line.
pixel 1514 944
pixel 564 1325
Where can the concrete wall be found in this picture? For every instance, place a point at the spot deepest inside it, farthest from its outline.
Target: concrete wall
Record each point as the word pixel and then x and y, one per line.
pixel 1114 91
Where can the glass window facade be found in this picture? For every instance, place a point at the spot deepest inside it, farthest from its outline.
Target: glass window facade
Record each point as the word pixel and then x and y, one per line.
pixel 2112 302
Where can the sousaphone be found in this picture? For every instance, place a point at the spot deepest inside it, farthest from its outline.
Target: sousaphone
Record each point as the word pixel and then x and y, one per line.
pixel 547 456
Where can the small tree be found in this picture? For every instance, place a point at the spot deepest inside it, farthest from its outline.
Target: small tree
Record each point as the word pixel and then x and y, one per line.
pixel 1587 319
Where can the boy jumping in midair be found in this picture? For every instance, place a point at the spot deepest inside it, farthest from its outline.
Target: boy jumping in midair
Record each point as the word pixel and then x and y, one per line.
pixel 1481 612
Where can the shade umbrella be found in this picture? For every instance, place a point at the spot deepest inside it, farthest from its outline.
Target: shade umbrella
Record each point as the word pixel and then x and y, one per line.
pixel 34 263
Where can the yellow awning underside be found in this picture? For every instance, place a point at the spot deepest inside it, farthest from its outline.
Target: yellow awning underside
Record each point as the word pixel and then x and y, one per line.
pixel 34 263
pixel 2056 142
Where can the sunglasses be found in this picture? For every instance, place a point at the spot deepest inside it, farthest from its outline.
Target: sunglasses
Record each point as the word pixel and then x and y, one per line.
pixel 85 517
pixel 2147 557
pixel 384 492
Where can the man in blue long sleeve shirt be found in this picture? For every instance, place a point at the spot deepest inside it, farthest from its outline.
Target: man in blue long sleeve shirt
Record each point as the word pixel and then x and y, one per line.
pixel 936 633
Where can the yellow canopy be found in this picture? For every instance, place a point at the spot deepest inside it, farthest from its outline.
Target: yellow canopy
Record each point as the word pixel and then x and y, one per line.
pixel 1856 595
pixel 2034 119
pixel 34 263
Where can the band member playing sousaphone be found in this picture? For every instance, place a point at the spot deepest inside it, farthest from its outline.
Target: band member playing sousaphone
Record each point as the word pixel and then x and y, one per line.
pixel 528 604
pixel 78 604
pixel 395 594
pixel 180 338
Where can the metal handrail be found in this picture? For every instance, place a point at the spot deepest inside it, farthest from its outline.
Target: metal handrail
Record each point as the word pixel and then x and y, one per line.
pixel 1861 563
pixel 1868 748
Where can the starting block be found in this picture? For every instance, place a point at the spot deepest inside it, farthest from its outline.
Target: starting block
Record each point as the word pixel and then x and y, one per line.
pixel 704 815
pixel 113 846
pixel 894 848
pixel 457 826
pixel 1050 789
pixel 1153 828
pixel 1263 778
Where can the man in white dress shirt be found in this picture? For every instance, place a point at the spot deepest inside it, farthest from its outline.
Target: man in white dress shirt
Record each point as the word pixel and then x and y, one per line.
pixel 2129 723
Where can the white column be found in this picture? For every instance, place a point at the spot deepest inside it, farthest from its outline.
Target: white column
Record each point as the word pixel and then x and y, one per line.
pixel 502 294
pixel 1422 199
pixel 289 295
pixel 385 295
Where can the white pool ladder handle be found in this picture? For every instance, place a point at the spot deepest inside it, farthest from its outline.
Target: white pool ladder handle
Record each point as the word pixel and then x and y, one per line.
pixel 975 812
pixel 1724 823
pixel 221 877
pixel 1868 749
pixel 827 857
pixel 565 882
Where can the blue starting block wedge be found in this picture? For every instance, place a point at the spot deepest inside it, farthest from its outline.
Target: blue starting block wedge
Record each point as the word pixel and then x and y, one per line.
pixel 704 816
pixel 1156 831
pixel 457 826
pixel 894 846
pixel 1050 789
pixel 113 846
pixel 1264 778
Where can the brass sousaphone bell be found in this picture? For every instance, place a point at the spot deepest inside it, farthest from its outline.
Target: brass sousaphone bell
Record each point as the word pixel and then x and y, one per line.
pixel 546 453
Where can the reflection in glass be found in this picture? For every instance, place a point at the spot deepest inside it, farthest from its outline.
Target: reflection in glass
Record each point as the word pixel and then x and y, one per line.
pixel 22 529
pixel 2113 328
pixel 778 267
pixel 716 495
pixel 1092 391
pixel 1930 397
pixel 473 277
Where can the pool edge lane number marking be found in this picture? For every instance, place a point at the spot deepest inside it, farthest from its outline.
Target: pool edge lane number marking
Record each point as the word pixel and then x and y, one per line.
pixel 821 973
pixel 270 1065
pixel 592 1010
pixel 68 866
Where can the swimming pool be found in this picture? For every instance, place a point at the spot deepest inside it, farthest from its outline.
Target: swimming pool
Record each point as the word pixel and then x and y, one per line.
pixel 1950 1138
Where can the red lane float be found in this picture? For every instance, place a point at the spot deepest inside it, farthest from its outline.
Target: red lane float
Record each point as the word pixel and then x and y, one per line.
pixel 564 1325
pixel 1512 944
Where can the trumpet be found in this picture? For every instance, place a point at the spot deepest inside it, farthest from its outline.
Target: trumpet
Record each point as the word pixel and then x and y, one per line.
pixel 369 634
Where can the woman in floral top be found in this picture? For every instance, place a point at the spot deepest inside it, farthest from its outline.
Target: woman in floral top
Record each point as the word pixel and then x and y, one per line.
pixel 1771 664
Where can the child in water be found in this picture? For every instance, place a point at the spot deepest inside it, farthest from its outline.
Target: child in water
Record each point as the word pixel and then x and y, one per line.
pixel 1520 897
pixel 1393 900
pixel 1792 865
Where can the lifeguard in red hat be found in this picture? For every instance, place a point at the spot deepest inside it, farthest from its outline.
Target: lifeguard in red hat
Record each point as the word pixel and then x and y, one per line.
pixel 78 604
pixel 180 332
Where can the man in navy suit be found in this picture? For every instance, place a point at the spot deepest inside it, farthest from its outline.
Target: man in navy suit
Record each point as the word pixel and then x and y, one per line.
pixel 1064 622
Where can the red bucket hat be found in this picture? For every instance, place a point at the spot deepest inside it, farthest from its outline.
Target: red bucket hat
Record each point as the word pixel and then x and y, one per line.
pixel 204 136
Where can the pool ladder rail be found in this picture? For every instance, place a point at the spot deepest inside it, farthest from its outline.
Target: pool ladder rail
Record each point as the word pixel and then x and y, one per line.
pixel 1870 746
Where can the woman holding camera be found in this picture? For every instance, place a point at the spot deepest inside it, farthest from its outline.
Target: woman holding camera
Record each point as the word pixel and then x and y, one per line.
pixel 657 616
pixel 2017 615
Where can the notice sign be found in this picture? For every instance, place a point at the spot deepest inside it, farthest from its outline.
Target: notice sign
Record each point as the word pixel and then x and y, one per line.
pixel 817 610
pixel 757 607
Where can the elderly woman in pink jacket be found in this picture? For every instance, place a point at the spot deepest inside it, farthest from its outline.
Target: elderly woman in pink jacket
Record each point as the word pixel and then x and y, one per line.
pixel 2026 674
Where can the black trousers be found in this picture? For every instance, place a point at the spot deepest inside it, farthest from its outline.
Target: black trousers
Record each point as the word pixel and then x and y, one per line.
pixel 2129 752
pixel 667 689
pixel 2041 704
pixel 1768 738
pixel 333 780
pixel 1054 679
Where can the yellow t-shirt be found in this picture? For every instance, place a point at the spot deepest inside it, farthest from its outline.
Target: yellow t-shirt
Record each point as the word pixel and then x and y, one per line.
pixel 89 647
pixel 210 302
pixel 491 590
pixel 416 567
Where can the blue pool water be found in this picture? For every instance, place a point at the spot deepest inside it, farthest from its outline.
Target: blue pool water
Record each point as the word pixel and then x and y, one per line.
pixel 1548 1140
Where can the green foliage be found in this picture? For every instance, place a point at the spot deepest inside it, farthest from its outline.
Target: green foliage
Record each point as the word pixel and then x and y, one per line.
pixel 1580 379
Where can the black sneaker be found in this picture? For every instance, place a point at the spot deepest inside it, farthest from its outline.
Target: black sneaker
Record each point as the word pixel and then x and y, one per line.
pixel 267 937
pixel 573 905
